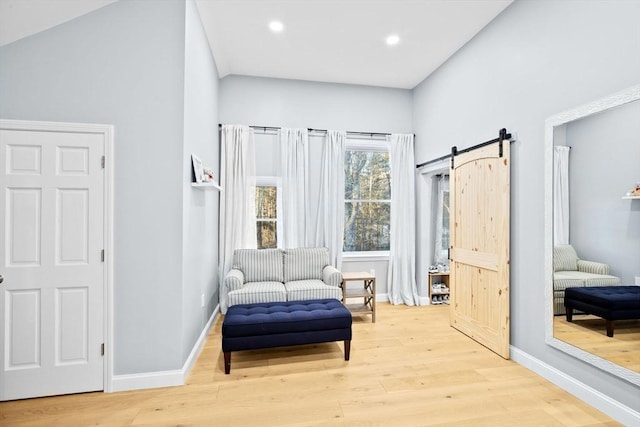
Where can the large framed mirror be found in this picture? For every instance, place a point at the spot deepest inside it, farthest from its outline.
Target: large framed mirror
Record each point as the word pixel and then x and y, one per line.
pixel 592 165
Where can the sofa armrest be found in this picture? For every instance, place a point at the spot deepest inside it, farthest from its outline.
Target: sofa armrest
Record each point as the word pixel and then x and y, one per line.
pixel 234 280
pixel 331 276
pixel 592 267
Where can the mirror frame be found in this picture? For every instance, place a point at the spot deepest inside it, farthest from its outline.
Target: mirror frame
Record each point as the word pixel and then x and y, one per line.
pixel 620 98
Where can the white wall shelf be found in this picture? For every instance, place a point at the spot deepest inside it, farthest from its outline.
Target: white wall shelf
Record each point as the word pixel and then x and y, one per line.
pixel 631 197
pixel 206 186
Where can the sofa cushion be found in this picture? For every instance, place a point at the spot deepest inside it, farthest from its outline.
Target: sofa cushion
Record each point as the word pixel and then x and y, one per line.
pixel 259 265
pixel 300 290
pixel 563 281
pixel 602 280
pixel 585 277
pixel 256 292
pixel 565 258
pixel 305 263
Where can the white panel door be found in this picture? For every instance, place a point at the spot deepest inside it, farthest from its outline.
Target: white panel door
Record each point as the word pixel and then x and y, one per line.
pixel 51 241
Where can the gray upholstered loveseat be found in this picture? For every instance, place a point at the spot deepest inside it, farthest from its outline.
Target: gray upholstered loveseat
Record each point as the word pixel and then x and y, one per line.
pixel 569 271
pixel 276 275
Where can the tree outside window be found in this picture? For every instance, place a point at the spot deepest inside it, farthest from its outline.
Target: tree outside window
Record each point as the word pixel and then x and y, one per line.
pixel 367 201
pixel 267 216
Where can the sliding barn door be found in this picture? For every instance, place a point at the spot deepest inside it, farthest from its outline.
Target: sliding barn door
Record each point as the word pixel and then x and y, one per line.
pixel 479 252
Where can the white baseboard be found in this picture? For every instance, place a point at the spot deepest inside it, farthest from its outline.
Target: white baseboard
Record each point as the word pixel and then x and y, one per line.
pixel 587 394
pixel 385 298
pixel 164 378
pixel 147 380
pixel 195 351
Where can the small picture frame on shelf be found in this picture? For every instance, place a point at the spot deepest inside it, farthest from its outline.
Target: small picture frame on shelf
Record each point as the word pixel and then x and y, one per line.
pixel 207 175
pixel 198 169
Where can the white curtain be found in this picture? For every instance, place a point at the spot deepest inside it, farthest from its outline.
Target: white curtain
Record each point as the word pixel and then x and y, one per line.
pixel 294 156
pixel 561 195
pixel 439 256
pixel 237 201
pixel 401 281
pixel 330 223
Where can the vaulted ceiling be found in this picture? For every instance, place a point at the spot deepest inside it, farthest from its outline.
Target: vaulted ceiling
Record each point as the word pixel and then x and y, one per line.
pixel 340 41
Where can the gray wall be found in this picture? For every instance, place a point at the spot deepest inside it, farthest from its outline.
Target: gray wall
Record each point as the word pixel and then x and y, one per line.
pixel 604 164
pixel 125 65
pixel 200 208
pixel 302 104
pixel 293 103
pixel 534 60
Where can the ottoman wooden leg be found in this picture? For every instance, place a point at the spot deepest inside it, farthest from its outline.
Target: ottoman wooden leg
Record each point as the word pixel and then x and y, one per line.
pixel 609 328
pixel 569 314
pixel 347 349
pixel 227 362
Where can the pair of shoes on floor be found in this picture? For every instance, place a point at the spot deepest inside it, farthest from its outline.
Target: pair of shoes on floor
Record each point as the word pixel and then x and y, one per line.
pixel 440 299
pixel 436 299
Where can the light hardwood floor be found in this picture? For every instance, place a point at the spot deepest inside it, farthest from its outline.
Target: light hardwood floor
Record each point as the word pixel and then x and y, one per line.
pixel 589 333
pixel 408 368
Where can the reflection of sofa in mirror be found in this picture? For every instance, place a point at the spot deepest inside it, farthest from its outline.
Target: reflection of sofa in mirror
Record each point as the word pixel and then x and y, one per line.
pixel 569 271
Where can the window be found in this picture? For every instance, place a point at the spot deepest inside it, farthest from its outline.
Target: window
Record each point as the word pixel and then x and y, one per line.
pixel 268 203
pixel 445 221
pixel 441 248
pixel 367 210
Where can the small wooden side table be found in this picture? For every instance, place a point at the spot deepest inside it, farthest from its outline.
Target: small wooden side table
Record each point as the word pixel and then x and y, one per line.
pixel 367 292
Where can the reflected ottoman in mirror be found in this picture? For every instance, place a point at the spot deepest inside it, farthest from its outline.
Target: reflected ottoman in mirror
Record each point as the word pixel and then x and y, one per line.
pixel 608 302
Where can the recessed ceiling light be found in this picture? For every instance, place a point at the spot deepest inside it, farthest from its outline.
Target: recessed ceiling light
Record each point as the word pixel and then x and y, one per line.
pixel 276 26
pixel 393 40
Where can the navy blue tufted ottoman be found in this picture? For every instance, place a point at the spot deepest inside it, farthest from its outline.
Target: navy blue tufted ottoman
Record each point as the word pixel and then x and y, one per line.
pixel 609 302
pixel 277 324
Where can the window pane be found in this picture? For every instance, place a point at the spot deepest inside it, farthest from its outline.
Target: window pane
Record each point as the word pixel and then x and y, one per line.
pixel 266 202
pixel 367 175
pixel 445 220
pixel 267 235
pixel 366 226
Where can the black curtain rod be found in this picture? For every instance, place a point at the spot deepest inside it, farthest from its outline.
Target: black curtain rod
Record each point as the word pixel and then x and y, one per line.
pixel 258 127
pixel 265 128
pixel 352 132
pixel 503 135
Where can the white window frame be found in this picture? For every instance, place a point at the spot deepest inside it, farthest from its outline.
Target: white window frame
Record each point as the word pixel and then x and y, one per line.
pixel 357 144
pixel 273 181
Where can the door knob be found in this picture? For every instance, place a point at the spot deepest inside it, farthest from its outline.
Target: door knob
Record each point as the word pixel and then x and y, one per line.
pixel 1 278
